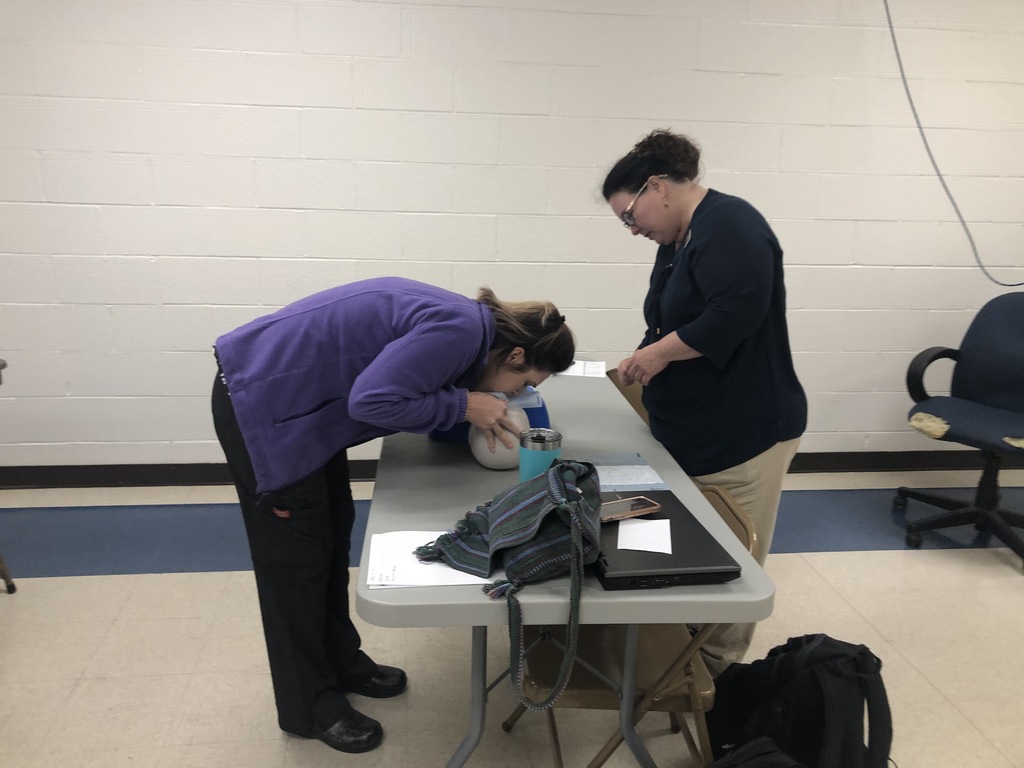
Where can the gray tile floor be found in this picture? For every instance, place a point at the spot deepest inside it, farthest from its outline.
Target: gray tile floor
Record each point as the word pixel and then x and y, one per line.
pixel 169 670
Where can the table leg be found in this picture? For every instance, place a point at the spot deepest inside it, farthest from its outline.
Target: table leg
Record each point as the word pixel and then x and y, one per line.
pixel 477 699
pixel 628 696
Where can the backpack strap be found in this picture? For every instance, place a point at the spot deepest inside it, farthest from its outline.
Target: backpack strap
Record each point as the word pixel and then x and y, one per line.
pixel 517 650
pixel 879 715
pixel 840 709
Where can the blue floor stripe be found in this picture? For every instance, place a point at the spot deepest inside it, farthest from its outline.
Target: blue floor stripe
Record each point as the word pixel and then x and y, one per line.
pixel 860 520
pixel 172 538
pixel 107 540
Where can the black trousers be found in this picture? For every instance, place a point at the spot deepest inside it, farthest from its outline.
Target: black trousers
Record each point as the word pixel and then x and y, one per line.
pixel 299 538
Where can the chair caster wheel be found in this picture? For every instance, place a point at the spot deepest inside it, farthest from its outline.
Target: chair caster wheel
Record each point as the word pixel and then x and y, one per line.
pixel 899 503
pixel 913 539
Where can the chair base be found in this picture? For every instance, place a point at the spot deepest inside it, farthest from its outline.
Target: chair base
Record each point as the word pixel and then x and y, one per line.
pixel 677 724
pixel 675 685
pixel 998 522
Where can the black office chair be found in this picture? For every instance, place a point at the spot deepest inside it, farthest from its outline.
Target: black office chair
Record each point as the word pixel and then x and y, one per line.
pixel 985 410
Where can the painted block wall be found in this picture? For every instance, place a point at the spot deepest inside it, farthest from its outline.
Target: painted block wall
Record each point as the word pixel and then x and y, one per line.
pixel 170 169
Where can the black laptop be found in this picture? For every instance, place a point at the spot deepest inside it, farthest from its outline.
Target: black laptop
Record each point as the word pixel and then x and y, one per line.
pixel 697 557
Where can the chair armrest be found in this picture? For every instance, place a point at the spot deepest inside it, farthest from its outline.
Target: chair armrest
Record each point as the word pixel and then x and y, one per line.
pixel 916 369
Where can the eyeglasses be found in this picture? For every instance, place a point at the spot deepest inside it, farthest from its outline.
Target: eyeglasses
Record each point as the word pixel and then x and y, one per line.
pixel 628 219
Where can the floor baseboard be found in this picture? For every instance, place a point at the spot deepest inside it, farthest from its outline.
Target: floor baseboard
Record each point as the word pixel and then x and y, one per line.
pixel 138 475
pixel 362 470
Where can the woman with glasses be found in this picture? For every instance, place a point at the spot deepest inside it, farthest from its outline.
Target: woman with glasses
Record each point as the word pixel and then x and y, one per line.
pixel 719 384
pixel 294 390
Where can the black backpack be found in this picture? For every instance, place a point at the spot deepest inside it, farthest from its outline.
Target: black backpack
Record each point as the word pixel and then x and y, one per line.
pixel 759 753
pixel 809 695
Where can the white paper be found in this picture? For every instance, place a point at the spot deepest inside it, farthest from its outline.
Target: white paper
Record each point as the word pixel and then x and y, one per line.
pixel 626 472
pixel 391 563
pixel 629 477
pixel 646 535
pixel 593 368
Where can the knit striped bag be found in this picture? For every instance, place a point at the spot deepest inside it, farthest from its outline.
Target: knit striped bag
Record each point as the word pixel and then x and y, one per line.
pixel 543 527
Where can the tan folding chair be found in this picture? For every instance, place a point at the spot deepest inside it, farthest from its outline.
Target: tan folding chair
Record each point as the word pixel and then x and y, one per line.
pixel 670 676
pixel 634 393
pixel 735 517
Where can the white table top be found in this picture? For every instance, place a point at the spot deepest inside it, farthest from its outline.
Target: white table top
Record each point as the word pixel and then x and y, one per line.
pixel 423 484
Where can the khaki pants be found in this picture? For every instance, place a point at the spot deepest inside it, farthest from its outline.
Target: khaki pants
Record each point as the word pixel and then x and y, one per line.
pixel 757 486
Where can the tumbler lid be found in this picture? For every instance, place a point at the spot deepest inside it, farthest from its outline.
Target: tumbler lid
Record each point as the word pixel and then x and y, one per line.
pixel 540 439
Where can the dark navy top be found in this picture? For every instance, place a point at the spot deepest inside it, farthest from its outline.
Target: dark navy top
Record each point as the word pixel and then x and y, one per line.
pixel 722 291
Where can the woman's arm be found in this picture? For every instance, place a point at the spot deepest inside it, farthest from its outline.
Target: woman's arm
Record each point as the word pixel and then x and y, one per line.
pixel 411 385
pixel 647 362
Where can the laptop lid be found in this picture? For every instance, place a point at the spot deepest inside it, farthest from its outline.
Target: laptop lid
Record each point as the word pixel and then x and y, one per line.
pixel 696 558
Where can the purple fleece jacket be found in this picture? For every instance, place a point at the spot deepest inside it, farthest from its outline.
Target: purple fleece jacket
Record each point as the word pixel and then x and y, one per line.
pixel 350 364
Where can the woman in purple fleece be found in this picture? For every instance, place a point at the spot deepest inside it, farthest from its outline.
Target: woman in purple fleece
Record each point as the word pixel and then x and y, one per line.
pixel 294 390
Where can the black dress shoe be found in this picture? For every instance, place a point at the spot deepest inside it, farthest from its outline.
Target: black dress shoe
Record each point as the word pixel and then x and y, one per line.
pixel 355 732
pixel 387 682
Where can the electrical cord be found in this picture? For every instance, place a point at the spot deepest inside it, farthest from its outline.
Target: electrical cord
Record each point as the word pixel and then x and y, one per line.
pixel 928 149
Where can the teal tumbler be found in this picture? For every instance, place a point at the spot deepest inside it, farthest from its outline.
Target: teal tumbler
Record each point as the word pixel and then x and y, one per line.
pixel 537 449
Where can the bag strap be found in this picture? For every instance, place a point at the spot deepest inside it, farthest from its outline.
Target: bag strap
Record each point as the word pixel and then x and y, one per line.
pixel 879 715
pixel 839 711
pixel 517 650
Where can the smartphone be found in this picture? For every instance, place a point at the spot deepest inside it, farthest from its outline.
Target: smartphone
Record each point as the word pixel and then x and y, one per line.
pixel 634 506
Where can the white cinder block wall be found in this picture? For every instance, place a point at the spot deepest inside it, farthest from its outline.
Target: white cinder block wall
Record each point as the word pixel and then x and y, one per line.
pixel 170 169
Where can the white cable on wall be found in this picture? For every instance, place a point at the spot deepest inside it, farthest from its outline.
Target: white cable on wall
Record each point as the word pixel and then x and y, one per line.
pixel 928 149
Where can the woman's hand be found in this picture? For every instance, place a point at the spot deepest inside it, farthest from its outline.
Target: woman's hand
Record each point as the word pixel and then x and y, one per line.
pixel 490 415
pixel 642 366
pixel 647 362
